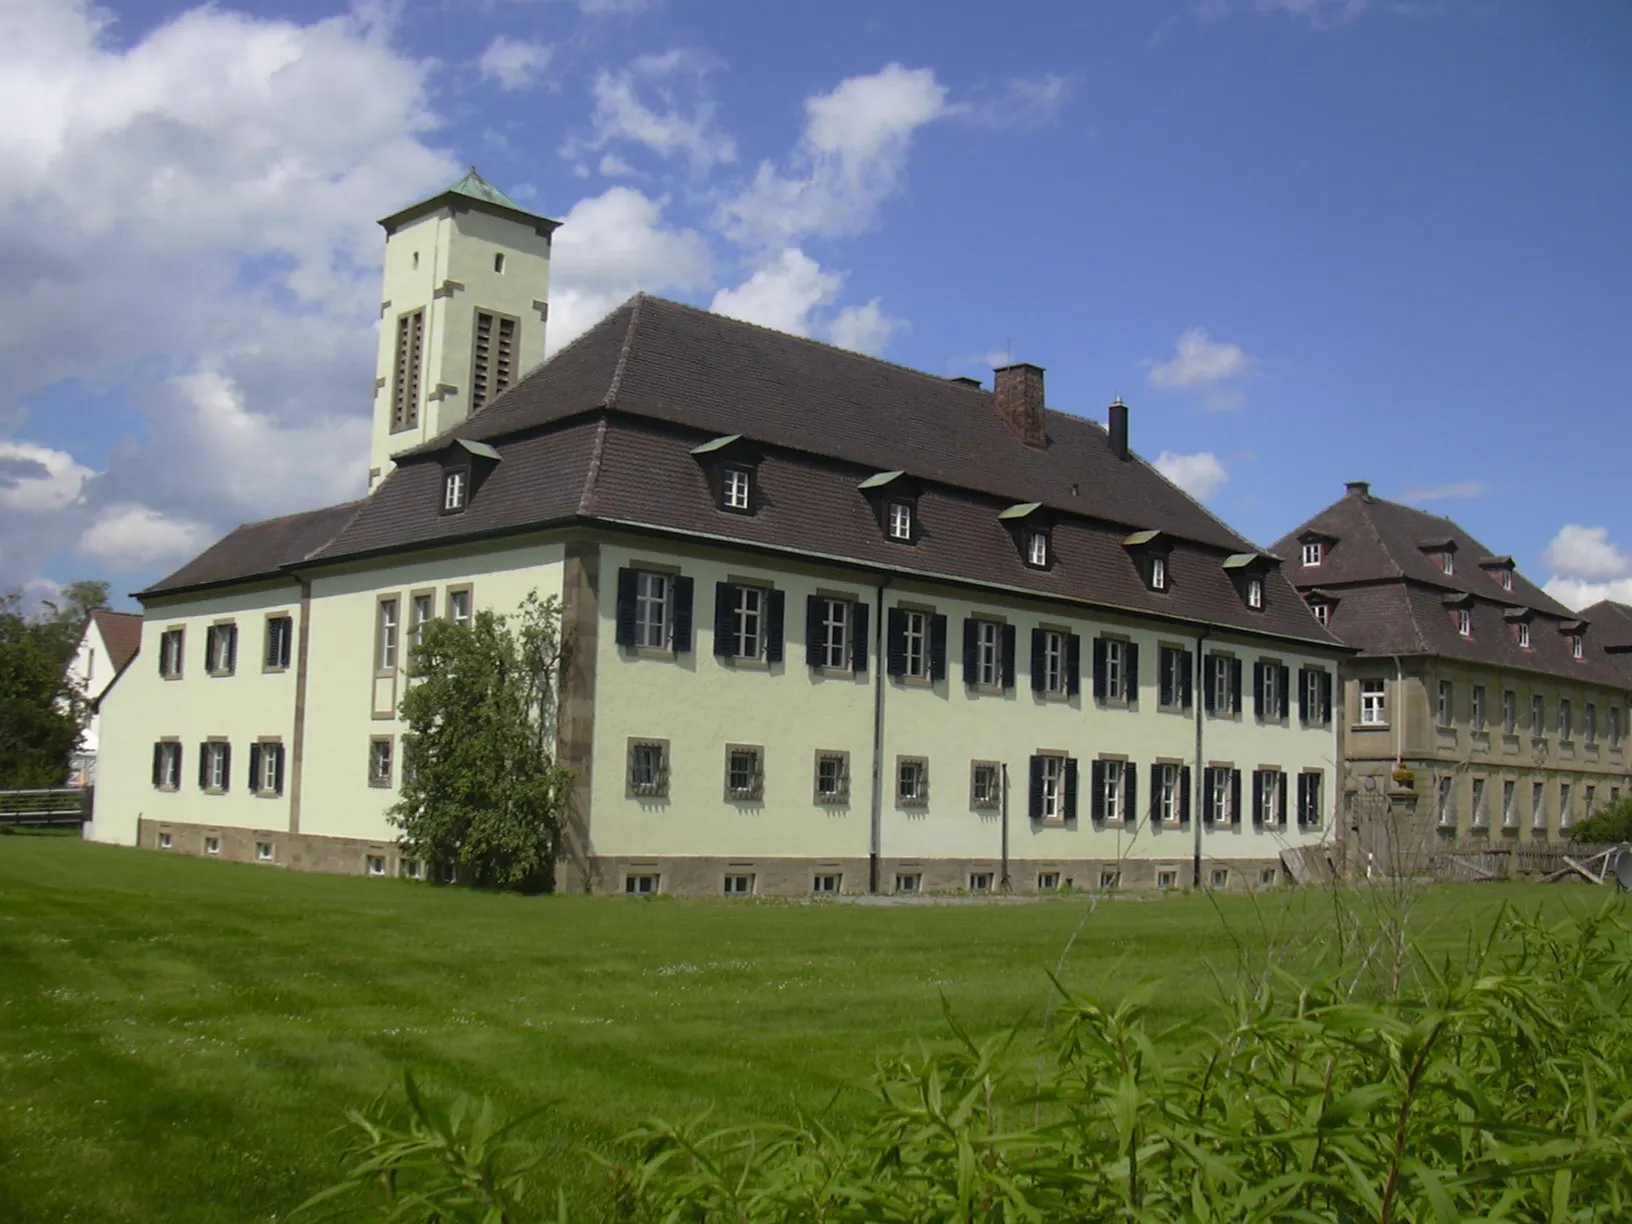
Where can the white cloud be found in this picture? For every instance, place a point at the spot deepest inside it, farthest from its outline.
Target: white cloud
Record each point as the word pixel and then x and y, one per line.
pixel 1200 475
pixel 781 293
pixel 658 101
pixel 512 63
pixel 608 247
pixel 851 158
pixel 1021 104
pixel 1457 490
pixel 37 479
pixel 1576 593
pixel 198 198
pixel 864 329
pixel 1206 367
pixel 1586 552
pixel 125 538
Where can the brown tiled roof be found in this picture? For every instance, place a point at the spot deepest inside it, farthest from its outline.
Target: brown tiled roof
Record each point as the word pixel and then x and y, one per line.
pixel 257 550
pixel 1611 623
pixel 121 634
pixel 1373 539
pixel 639 472
pixel 660 359
pixel 1390 597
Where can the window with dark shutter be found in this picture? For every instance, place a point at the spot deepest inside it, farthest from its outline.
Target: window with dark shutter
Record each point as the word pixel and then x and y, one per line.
pixel 1035 789
pixel 158 765
pixel 1096 792
pixel 1130 681
pixel 683 591
pixel 775 606
pixel 1101 650
pixel 1039 664
pixel 254 775
pixel 1130 793
pixel 1073 665
pixel 725 616
pixel 1184 796
pixel 815 631
pixel 859 619
pixel 971 651
pixel 1235 796
pixel 895 642
pixel 625 633
pixel 204 765
pixel 937 648
pixel 1008 656
pixel 1071 788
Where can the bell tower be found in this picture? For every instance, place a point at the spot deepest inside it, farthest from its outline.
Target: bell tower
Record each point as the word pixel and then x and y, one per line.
pixel 462 315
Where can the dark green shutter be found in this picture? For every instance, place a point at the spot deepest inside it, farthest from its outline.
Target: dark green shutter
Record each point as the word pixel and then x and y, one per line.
pixel 1286 683
pixel 1130 792
pixel 255 751
pixel 1167 676
pixel 1071 788
pixel 684 594
pixel 1304 674
pixel 626 607
pixel 1258 689
pixel 1035 791
pixel 1257 798
pixel 1188 674
pixel 232 647
pixel 1008 656
pixel 1073 665
pixel 1325 696
pixel 1235 796
pixel 203 758
pixel 1209 685
pixel 859 642
pixel 1130 655
pixel 937 648
pixel 158 764
pixel 895 642
pixel 1039 660
pixel 815 631
pixel 1235 686
pixel 1184 797
pixel 776 603
pixel 725 634
pixel 226 767
pixel 277 769
pixel 1099 669
pixel 1096 800
pixel 971 651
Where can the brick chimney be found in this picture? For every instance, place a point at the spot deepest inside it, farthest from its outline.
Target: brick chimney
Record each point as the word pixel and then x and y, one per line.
pixel 1019 395
pixel 1118 416
pixel 1358 488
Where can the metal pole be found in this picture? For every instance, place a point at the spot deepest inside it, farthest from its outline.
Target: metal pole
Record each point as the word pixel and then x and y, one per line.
pixel 1004 882
pixel 1198 813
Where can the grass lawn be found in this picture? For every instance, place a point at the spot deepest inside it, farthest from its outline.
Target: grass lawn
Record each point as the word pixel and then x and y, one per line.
pixel 180 1038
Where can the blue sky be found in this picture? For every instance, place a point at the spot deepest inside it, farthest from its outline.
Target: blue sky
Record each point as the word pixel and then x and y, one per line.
pixel 1308 241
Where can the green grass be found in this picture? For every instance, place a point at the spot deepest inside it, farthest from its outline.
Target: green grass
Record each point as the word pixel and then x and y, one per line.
pixel 180 1038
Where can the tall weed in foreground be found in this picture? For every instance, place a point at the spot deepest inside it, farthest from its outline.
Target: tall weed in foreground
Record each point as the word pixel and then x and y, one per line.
pixel 1493 1086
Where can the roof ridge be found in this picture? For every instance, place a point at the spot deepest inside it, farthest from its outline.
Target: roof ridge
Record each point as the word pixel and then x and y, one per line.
pixel 593 471
pixel 936 379
pixel 1396 570
pixel 624 350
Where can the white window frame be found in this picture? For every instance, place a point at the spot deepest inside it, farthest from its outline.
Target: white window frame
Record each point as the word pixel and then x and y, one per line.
pixel 915 643
pixel 748 622
pixel 1273 790
pixel 837 617
pixel 1477 708
pixel 1447 562
pixel 385 643
pixel 642 884
pixel 899 516
pixel 1275 701
pixel 1524 636
pixel 1169 803
pixel 1054 663
pixel 739 884
pixel 1322 611
pixel 459 606
pixel 1478 818
pixel 1510 804
pixel 1373 703
pixel 1312 552
pixel 454 485
pixel 169 765
pixel 271 761
pixel 171 644
pixel 1037 548
pixel 1255 593
pixel 654 755
pixel 1114 796
pixel 1053 787
pixel 381 752
pixel 990 795
pixel 1447 802
pixel 654 609
pixel 988 654
pixel 1589 724
pixel 221 648
pixel 840 790
pixel 1116 671
pixel 827 883
pixel 1510 712
pixel 1578 646
pixel 1219 797
pixel 215 766
pixel 1538 805
pixel 1226 700
pixel 1048 881
pixel 735 488
pixel 1464 622
pixel 1158 573
pixel 421 611
pixel 1565 795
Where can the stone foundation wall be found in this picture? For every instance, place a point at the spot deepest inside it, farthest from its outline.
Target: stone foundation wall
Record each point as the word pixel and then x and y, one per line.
pixel 705 877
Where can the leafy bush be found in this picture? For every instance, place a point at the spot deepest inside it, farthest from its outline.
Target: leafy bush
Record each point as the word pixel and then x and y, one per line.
pixel 1498 1087
pixel 1608 824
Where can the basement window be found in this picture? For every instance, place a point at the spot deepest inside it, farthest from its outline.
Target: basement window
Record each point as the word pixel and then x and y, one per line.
pixel 739 885
pixel 164 841
pixel 376 864
pixel 212 845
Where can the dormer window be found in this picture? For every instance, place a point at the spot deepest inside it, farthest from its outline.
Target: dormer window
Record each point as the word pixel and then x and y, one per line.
pixel 1524 636
pixel 1505 577
pixel 1447 562
pixel 1246 571
pixel 1037 549
pixel 1255 593
pixel 1578 646
pixel 1150 551
pixel 1322 611
pixel 1158 573
pixel 455 489
pixel 1464 622
pixel 731 466
pixel 735 486
pixel 1313 550
pixel 900 520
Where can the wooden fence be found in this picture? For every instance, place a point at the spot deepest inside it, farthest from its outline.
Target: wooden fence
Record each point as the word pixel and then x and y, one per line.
pixel 1476 861
pixel 63 805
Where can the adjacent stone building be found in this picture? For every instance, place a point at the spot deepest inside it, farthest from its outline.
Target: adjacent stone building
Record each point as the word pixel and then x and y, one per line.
pixel 1508 709
pixel 835 625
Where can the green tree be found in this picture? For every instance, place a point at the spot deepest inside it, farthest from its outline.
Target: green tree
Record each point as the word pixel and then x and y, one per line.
pixel 1612 823
pixel 480 784
pixel 41 712
pixel 63 618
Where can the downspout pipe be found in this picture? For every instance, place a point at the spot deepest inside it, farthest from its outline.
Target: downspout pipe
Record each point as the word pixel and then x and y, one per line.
pixel 1198 810
pixel 875 851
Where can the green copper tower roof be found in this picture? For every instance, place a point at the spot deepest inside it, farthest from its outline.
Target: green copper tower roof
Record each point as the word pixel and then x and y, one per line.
pixel 471 190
